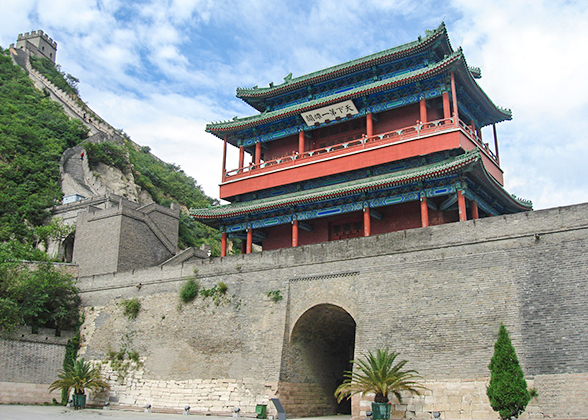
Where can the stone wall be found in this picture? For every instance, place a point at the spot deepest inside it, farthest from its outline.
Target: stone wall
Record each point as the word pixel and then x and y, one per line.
pixel 125 237
pixel 437 295
pixel 29 363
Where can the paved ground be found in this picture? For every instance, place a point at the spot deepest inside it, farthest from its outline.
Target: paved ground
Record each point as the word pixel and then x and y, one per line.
pixel 36 412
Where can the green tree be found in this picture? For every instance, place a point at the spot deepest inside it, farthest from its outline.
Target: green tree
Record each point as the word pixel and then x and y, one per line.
pixel 379 374
pixel 507 390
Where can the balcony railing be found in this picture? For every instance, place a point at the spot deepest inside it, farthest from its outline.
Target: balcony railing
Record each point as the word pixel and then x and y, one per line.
pixel 391 137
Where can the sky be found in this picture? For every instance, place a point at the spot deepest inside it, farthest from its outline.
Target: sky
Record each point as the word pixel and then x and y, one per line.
pixel 162 69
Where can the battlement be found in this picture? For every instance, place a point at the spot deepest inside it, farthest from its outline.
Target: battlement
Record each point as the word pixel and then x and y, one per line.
pixel 36 34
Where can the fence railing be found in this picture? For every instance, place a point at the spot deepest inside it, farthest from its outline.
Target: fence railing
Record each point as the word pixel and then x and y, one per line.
pixel 395 136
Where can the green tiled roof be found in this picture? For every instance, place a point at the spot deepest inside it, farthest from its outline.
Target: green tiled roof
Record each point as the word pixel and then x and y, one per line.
pixel 456 59
pixel 351 66
pixel 446 167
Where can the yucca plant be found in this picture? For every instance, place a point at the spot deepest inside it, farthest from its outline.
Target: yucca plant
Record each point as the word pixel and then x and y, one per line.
pixel 79 376
pixel 378 374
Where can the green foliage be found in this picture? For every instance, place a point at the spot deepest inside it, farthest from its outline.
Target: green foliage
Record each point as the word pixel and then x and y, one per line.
pixel 275 295
pixel 41 297
pixel 189 290
pixel 507 390
pixel 108 153
pixel 131 307
pixel 217 293
pixel 378 374
pixel 79 376
pixel 34 132
pixel 53 73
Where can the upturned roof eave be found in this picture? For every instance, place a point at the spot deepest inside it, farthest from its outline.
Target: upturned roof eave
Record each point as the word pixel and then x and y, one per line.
pixel 339 70
pixel 403 177
pixel 227 127
pixel 455 61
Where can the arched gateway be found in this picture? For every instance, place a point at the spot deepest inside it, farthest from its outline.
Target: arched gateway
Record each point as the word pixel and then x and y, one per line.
pixel 315 358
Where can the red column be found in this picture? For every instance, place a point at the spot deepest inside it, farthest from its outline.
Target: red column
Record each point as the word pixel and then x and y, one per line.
pixel 463 216
pixel 367 227
pixel 224 158
pixel 243 246
pixel 423 110
pixel 369 125
pixel 295 233
pixel 446 106
pixel 224 244
pixel 257 153
pixel 454 94
pixel 241 157
pixel 300 142
pixel 474 207
pixel 424 212
pixel 249 241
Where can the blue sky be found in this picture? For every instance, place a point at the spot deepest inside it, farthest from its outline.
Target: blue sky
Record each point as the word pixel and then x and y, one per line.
pixel 160 70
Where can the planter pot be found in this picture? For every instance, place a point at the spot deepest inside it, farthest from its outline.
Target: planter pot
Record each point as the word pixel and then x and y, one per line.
pixel 381 411
pixel 79 401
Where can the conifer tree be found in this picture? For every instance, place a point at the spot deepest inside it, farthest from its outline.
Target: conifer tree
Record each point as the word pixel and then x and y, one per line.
pixel 507 390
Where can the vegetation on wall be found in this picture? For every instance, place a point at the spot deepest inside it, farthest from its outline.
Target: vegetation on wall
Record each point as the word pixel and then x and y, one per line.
pixel 131 307
pixel 52 71
pixel 189 290
pixel 507 390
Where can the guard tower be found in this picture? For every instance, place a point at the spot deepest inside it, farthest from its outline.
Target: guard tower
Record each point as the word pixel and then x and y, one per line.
pixel 38 44
pixel 387 142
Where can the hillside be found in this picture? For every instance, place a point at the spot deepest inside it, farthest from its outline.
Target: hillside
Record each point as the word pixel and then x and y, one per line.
pixel 35 132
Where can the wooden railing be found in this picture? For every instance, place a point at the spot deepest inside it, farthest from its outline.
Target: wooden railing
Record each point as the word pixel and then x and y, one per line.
pixel 365 142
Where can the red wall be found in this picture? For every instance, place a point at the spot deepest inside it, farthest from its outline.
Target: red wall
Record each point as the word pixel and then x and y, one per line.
pixel 280 148
pixel 397 118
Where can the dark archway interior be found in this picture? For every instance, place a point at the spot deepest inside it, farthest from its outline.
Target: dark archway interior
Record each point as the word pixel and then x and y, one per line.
pixel 321 347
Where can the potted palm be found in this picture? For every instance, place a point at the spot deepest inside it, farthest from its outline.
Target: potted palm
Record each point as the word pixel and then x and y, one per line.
pixel 378 374
pixel 79 376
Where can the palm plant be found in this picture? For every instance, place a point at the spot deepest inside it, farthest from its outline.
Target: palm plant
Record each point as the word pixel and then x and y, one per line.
pixel 79 376
pixel 378 374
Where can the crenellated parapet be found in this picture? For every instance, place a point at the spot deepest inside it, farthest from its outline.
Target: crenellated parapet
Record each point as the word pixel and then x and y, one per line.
pixel 36 34
pixel 37 43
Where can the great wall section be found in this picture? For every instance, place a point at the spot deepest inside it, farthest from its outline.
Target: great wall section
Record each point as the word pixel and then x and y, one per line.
pixel 436 294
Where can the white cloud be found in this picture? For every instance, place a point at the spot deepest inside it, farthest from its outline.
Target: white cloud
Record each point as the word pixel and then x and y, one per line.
pixel 161 70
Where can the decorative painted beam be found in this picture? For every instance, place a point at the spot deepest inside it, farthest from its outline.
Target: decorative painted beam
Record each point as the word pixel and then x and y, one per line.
pixel 449 189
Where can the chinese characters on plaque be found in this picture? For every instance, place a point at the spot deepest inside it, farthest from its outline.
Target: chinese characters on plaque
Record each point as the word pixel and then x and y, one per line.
pixel 329 113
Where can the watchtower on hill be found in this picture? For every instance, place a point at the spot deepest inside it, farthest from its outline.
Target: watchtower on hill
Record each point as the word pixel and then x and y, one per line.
pixel 387 142
pixel 37 43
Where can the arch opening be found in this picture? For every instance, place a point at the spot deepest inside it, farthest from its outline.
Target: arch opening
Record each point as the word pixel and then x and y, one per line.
pixel 319 351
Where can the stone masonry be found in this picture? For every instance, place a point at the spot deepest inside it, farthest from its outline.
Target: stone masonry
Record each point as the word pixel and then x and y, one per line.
pixel 29 363
pixel 437 295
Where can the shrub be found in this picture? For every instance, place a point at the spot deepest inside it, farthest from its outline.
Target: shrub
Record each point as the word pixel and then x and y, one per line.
pixel 189 290
pixel 131 307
